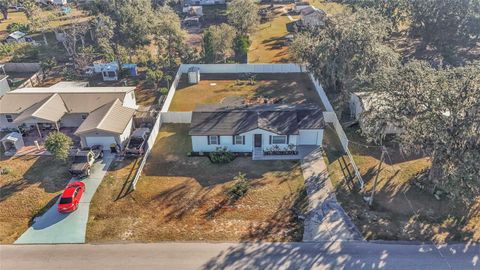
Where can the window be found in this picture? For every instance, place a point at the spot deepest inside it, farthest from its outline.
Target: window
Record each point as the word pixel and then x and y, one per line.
pixel 9 118
pixel 65 200
pixel 238 139
pixel 213 139
pixel 279 139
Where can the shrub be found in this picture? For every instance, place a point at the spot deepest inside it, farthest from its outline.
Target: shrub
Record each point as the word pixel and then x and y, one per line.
pixel 221 155
pixel 58 144
pixel 240 188
pixel 18 27
pixel 6 170
pixel 163 91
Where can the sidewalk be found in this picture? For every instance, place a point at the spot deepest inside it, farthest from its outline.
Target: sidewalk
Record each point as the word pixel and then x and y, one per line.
pixel 326 220
pixel 54 227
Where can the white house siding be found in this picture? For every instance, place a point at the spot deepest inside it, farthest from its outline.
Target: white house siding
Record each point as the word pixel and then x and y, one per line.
pixel 72 119
pixel 200 143
pixel 310 137
pixel 130 101
pixel 126 133
pixel 106 140
pixel 4 87
pixel 5 124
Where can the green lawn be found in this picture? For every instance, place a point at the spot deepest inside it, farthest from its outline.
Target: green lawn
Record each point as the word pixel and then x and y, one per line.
pixel 180 198
pixel 329 7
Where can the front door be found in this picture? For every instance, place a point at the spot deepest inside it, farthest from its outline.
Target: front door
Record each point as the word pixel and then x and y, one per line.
pixel 258 140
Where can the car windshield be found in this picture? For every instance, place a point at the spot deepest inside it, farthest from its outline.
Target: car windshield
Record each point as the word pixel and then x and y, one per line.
pixel 65 200
pixel 135 142
pixel 80 159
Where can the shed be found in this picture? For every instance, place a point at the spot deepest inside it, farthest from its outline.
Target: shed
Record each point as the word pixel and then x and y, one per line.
pixel 16 36
pixel 12 142
pixel 194 75
pixel 132 69
pixel 109 71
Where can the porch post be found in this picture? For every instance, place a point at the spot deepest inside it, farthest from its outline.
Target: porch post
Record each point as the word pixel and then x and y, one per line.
pixel 56 125
pixel 38 129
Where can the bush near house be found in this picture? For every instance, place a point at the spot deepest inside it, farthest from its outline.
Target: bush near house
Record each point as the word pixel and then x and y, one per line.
pixel 221 155
pixel 58 144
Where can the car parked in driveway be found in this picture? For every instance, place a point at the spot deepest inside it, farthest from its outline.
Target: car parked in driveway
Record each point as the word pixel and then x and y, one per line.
pixel 136 143
pixel 82 163
pixel 71 197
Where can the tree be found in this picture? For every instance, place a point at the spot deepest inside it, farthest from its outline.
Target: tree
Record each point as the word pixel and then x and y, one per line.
pixel 169 35
pixel 347 49
pixel 154 76
pixel 396 11
pixel 48 64
pixel 219 41
pixel 74 35
pixel 439 111
pixel 208 49
pixel 122 24
pixel 38 20
pixel 58 144
pixel 243 16
pixel 4 7
pixel 241 45
pixel 447 24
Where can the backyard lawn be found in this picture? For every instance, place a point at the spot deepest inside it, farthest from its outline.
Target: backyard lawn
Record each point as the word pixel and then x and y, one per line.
pixel 185 198
pixel 329 7
pixel 214 88
pixel 30 187
pixel 400 211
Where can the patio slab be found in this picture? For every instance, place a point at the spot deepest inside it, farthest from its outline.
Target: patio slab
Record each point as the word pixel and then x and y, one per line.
pixel 56 228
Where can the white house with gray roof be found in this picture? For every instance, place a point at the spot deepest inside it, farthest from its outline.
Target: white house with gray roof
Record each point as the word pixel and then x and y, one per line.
pixel 256 129
pixel 99 115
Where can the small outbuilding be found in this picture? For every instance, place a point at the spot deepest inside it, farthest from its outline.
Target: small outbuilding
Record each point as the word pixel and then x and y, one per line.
pixel 194 75
pixel 12 142
pixel 17 36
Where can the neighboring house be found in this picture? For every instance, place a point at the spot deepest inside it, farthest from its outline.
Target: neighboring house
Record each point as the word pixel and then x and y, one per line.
pixel 17 36
pixel 312 16
pixel 362 102
pixel 100 115
pixel 193 11
pixel 203 2
pixel 301 5
pixel 4 86
pixel 246 129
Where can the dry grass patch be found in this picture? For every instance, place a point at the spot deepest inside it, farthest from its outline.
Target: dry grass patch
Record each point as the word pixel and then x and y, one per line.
pixel 214 88
pixel 401 211
pixel 30 187
pixel 186 198
pixel 268 41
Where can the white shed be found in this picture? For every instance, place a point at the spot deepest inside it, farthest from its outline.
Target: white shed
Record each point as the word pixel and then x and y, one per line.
pixel 194 75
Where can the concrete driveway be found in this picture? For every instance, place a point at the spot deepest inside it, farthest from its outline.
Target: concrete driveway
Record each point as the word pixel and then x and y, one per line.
pixel 56 228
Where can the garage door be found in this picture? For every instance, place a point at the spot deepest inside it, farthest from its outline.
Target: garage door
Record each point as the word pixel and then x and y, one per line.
pixel 310 137
pixel 105 141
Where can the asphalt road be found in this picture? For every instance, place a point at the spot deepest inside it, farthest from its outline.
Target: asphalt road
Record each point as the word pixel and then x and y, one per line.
pixel 326 255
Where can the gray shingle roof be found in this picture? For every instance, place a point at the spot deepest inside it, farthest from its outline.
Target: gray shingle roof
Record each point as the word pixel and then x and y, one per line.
pixel 279 119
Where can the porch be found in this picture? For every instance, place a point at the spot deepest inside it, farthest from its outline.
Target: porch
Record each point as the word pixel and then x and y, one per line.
pixel 302 152
pixel 34 140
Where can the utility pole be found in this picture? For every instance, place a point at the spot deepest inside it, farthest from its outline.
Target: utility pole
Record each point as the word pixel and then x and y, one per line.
pixel 382 157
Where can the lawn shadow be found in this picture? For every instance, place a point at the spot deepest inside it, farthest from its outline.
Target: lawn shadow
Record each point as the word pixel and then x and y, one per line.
pixel 50 174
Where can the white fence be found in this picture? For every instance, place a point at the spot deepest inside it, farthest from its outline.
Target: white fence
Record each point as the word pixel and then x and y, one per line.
pixel 171 91
pixel 245 68
pixel 21 67
pixel 148 148
pixel 177 117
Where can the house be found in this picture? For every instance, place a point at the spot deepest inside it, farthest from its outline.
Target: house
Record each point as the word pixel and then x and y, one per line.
pixel 98 115
pixel 312 16
pixel 17 36
pixel 301 5
pixel 193 11
pixel 203 2
pixel 256 128
pixel 362 102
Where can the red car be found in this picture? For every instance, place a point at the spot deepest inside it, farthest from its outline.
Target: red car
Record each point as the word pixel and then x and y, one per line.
pixel 71 197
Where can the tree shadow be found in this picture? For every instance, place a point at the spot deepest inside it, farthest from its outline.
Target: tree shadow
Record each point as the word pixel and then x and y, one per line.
pixel 50 174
